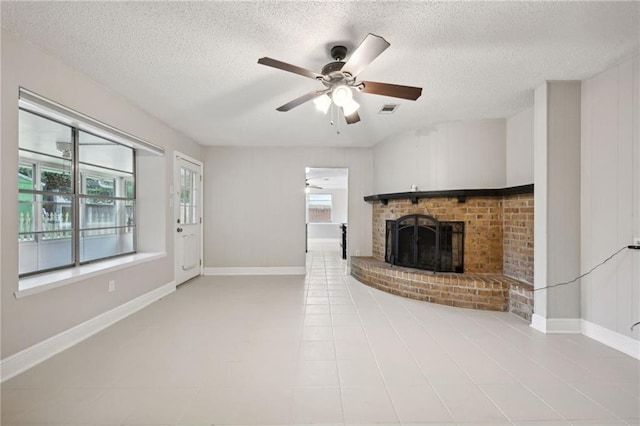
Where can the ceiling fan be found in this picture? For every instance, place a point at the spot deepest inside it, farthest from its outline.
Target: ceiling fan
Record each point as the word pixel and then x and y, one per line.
pixel 308 185
pixel 339 79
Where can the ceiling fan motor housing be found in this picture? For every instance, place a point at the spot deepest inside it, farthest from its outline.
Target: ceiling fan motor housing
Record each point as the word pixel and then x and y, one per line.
pixel 338 53
pixel 332 72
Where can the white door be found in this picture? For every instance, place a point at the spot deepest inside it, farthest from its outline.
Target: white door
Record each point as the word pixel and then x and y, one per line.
pixel 188 217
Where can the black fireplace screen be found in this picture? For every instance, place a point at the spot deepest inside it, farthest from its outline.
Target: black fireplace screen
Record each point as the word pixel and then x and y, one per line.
pixel 423 242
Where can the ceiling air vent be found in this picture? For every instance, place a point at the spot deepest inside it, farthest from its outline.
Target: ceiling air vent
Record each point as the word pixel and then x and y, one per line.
pixel 389 108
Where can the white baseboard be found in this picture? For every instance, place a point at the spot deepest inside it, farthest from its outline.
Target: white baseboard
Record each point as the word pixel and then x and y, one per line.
pixel 539 323
pixel 612 339
pixel 556 325
pixel 269 270
pixel 27 358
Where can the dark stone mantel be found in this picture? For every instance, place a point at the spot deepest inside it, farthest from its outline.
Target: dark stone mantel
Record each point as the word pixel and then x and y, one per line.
pixel 461 194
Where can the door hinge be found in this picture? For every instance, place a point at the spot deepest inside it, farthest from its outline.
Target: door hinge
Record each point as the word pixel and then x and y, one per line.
pixel 200 220
pixel 200 262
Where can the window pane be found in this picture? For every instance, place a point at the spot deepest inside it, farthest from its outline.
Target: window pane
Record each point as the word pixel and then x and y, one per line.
pixel 106 154
pixel 97 244
pixel 44 220
pixel 26 176
pixel 44 136
pixel 129 191
pixel 56 178
pixel 116 213
pixel 40 255
pixel 189 182
pixel 57 216
pixel 45 237
pixel 25 202
pixel 107 230
pixel 319 208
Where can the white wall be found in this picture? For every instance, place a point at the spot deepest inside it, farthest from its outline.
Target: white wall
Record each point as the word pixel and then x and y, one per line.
pixel 519 146
pixel 610 188
pixel 459 155
pixel 34 318
pixel 255 203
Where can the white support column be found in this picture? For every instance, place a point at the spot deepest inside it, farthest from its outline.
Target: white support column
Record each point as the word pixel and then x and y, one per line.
pixel 557 206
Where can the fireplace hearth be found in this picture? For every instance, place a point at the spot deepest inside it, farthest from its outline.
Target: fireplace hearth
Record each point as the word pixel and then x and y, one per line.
pixel 422 242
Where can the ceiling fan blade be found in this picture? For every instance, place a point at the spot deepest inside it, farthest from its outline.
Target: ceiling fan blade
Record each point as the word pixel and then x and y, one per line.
pixel 288 67
pixel 352 118
pixel 393 90
pixel 370 48
pixel 302 99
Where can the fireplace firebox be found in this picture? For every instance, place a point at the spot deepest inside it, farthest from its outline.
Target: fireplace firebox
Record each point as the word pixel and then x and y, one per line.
pixel 423 242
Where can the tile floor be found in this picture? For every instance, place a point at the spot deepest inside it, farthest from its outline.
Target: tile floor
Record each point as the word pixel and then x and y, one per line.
pixel 322 349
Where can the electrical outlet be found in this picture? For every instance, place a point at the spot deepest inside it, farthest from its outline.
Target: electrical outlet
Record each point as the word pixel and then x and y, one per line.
pixel 357 252
pixel 636 241
pixel 112 286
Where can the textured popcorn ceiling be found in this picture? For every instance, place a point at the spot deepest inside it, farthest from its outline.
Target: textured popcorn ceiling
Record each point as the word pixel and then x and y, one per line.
pixel 194 64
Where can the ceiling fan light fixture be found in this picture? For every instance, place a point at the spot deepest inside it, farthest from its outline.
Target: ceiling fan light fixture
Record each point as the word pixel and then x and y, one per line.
pixel 341 95
pixel 350 107
pixel 322 103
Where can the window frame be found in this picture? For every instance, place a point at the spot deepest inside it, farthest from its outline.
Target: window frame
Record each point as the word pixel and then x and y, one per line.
pixel 309 195
pixel 76 195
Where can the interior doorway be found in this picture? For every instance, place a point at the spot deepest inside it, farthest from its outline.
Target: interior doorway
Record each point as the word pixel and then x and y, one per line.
pixel 327 190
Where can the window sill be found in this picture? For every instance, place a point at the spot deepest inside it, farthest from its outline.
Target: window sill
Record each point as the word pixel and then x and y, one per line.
pixel 40 283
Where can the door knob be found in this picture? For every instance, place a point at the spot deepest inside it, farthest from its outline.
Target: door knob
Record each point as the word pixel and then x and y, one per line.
pixel 179 229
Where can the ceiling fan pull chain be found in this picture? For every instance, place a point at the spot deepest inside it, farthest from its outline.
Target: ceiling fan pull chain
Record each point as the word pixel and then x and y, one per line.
pixel 333 109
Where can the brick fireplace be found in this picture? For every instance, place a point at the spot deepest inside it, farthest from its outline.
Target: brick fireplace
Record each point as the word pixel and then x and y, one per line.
pixel 498 249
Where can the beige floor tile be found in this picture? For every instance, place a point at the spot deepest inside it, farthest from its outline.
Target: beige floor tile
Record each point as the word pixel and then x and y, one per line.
pixel 569 402
pixel 14 402
pixel 160 406
pixel 212 405
pixel 518 403
pixel 317 373
pixel 467 403
pixel 317 351
pixel 415 404
pixel 264 405
pixel 401 373
pixel 317 320
pixel 359 372
pixel 317 405
pixel 353 350
pixel 367 404
pixel 317 333
pixel 62 407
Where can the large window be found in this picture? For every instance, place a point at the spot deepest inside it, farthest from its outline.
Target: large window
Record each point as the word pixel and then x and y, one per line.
pixel 76 196
pixel 319 207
